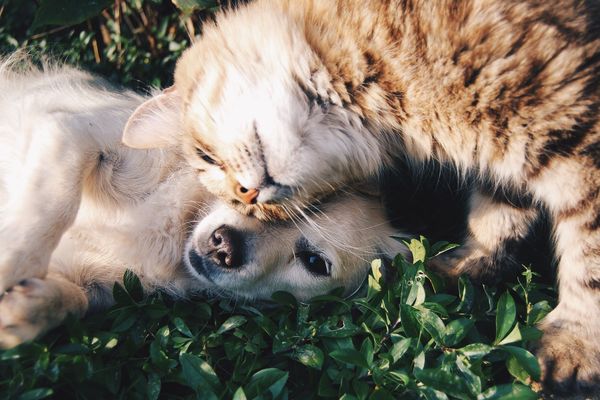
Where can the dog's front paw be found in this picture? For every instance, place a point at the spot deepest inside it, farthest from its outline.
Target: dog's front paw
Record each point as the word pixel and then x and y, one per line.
pixel 26 311
pixel 34 306
pixel 19 266
pixel 570 362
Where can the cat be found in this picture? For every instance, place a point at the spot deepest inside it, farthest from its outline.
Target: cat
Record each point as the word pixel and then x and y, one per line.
pixel 78 208
pixel 281 103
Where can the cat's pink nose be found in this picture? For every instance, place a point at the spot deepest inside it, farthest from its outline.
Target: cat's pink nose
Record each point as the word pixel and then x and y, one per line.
pixel 247 196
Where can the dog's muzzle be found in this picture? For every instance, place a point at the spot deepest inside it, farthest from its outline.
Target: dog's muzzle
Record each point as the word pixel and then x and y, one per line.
pixel 222 252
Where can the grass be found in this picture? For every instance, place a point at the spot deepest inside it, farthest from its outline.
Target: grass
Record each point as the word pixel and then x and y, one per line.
pixel 410 337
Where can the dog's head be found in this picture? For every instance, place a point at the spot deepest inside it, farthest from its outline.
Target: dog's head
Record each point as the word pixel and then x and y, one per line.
pixel 328 247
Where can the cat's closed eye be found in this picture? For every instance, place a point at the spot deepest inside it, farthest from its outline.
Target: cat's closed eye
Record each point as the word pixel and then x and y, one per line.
pixel 206 158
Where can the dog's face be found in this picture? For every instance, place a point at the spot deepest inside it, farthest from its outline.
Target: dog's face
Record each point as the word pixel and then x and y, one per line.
pixel 238 256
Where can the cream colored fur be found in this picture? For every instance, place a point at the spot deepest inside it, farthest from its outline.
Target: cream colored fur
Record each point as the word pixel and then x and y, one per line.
pixel 78 208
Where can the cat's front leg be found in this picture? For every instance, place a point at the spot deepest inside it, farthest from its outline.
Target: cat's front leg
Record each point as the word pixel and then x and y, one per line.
pixel 35 306
pixel 43 185
pixel 569 351
pixel 496 227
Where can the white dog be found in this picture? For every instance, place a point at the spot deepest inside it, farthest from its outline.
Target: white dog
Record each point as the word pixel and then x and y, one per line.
pixel 77 208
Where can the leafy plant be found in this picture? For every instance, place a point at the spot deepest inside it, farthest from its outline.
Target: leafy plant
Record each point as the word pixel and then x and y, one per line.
pixel 132 42
pixel 409 337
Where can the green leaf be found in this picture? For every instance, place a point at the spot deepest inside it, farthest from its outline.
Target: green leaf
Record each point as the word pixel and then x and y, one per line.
pixel 338 327
pixel 366 349
pixel 284 298
pixel 513 336
pixel 376 269
pixel 232 323
pixel 432 324
pixel 182 327
pixel 526 359
pixel 508 392
pixel 133 285
pixel 380 393
pixel 153 390
pixel 197 373
pixel 476 351
pixel 515 368
pixel 189 6
pixel 239 394
pixel 466 293
pixel 326 388
pixel 309 355
pixel 472 381
pixel 350 356
pixel 456 331
pixel 121 295
pixel 506 314
pixel 124 321
pixel 431 394
pixel 272 380
pixel 444 381
pixel 442 247
pixel 67 12
pixel 158 356
pixel 36 394
pixel 538 312
pixel 400 348
pixel 410 323
pixel 417 249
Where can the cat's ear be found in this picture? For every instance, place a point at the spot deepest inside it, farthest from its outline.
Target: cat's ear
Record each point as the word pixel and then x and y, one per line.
pixel 368 188
pixel 156 122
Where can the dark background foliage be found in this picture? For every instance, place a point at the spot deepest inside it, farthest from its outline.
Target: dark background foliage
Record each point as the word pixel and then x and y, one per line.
pixel 132 42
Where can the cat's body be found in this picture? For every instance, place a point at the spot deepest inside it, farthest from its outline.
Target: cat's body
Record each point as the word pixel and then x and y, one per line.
pixel 284 102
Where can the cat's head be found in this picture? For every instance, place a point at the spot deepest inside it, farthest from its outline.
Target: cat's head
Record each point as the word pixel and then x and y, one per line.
pixel 258 117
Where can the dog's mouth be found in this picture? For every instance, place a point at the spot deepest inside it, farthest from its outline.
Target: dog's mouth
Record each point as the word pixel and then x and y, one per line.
pixel 199 264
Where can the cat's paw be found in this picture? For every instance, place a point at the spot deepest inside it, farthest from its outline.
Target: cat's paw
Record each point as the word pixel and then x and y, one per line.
pixel 29 309
pixel 570 362
pixel 476 262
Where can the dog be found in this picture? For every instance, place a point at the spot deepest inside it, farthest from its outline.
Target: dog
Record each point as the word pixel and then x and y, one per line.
pixel 78 208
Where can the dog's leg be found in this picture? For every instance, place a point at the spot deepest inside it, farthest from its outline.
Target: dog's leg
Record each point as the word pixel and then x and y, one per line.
pixel 495 228
pixel 35 306
pixel 44 186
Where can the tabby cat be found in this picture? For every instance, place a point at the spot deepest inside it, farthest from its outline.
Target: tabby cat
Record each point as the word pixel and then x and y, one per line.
pixel 281 103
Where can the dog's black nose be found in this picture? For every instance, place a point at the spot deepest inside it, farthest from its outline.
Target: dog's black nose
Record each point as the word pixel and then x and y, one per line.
pixel 225 247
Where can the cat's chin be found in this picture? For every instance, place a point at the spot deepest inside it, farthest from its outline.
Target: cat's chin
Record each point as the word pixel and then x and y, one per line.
pixel 263 212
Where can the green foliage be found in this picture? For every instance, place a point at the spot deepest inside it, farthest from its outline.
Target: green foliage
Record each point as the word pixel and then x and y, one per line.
pixel 409 338
pixel 132 42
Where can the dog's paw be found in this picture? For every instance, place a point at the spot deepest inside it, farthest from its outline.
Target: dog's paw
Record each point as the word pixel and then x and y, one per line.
pixel 15 268
pixel 570 362
pixel 29 309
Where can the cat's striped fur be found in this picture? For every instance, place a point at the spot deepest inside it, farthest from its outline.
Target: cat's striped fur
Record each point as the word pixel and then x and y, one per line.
pixel 292 100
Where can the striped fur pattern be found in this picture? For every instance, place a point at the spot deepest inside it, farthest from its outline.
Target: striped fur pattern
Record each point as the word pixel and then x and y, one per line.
pixel 300 98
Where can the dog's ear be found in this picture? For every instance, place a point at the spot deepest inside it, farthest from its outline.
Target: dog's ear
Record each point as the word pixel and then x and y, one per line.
pixel 156 122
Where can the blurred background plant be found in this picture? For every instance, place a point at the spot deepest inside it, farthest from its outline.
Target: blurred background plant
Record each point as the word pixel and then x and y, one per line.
pixel 131 42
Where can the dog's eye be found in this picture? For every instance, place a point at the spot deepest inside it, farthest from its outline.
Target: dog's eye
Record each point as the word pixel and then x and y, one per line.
pixel 315 263
pixel 206 157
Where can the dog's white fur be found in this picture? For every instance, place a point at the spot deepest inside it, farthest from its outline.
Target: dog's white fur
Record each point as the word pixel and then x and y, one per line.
pixel 77 208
